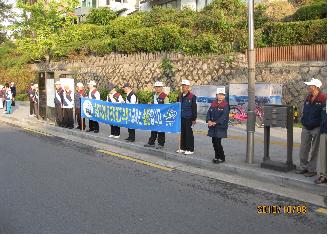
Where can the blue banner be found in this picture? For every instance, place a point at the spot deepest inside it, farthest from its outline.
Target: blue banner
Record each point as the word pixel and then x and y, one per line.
pixel 154 117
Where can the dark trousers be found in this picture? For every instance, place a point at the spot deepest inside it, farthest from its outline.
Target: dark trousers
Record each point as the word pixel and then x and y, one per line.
pixel 115 130
pixel 36 109
pixel 13 101
pixel 187 136
pixel 59 115
pixel 32 108
pixel 4 104
pixel 218 149
pixel 79 120
pixel 68 120
pixel 160 136
pixel 93 125
pixel 132 134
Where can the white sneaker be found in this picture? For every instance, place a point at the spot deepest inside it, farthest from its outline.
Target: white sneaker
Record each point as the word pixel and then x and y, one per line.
pixel 189 153
pixel 180 151
pixel 111 136
pixel 117 137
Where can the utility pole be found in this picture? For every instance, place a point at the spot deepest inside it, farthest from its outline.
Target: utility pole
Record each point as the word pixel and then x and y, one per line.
pixel 251 85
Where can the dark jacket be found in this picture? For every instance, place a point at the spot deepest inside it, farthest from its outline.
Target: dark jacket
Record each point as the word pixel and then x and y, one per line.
pixel 323 125
pixel 13 90
pixel 312 111
pixel 218 113
pixel 59 101
pixel 30 93
pixel 77 98
pixel 188 106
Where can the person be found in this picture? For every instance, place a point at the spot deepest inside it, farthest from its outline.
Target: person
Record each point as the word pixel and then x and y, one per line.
pixel 217 119
pixel 30 93
pixel 188 118
pixel 310 136
pixel 59 104
pixel 323 149
pixel 114 97
pixel 159 97
pixel 131 98
pixel 36 100
pixel 68 105
pixel 95 95
pixel 77 102
pixel 13 91
pixel 2 95
pixel 8 97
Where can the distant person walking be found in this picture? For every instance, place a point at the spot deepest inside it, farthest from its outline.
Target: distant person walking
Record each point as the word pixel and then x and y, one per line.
pixel 310 136
pixel 114 97
pixel 36 100
pixel 30 93
pixel 2 96
pixel 13 91
pixel 8 98
pixel 217 119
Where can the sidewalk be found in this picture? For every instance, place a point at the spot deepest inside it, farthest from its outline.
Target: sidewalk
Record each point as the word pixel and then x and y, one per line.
pixel 234 146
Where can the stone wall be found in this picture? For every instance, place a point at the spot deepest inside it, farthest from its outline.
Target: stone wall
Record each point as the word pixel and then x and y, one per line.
pixel 141 70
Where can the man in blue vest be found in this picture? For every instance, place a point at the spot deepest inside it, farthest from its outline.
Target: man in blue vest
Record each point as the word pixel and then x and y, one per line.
pixel 159 97
pixel 311 119
pixel 131 98
pixel 188 119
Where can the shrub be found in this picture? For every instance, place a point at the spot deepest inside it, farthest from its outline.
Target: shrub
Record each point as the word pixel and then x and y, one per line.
pixel 313 11
pixel 294 33
pixel 144 96
pixel 101 16
pixel 22 97
pixel 173 95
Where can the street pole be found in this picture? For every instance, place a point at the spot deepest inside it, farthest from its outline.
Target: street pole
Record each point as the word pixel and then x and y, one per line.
pixel 251 85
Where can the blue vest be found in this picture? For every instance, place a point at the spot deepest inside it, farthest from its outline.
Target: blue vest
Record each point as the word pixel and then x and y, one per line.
pixel 186 105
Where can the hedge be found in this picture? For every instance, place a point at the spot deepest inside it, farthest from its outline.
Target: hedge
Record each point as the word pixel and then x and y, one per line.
pixel 313 11
pixel 295 33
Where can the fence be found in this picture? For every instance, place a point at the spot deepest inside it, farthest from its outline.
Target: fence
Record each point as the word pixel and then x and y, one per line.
pixel 292 53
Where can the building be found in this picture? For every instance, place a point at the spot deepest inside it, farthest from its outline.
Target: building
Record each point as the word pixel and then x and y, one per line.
pixel 195 5
pixel 124 7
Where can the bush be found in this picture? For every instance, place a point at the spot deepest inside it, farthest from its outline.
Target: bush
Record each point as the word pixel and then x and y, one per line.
pixel 316 10
pixel 101 16
pixel 144 96
pixel 103 93
pixel 296 33
pixel 173 95
pixel 22 97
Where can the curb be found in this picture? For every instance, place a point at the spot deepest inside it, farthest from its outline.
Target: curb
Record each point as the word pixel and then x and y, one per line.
pixel 252 171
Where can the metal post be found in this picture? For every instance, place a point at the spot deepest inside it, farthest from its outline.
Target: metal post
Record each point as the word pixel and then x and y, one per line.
pixel 251 85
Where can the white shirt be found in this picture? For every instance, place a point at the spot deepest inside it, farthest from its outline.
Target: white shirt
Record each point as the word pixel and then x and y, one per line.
pixel 97 95
pixel 70 104
pixel 110 98
pixel 133 99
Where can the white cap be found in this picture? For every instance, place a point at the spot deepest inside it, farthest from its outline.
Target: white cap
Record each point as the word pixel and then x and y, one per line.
pixel 92 83
pixel 185 82
pixel 36 85
pixel 57 83
pixel 220 90
pixel 79 84
pixel 314 82
pixel 158 83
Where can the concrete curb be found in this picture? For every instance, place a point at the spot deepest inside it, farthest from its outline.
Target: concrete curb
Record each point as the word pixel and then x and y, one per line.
pixel 243 170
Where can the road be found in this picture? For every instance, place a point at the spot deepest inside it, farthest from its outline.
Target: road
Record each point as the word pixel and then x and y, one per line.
pixel 52 185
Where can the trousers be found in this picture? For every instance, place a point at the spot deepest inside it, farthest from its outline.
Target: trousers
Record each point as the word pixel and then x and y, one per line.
pixel 309 143
pixel 187 136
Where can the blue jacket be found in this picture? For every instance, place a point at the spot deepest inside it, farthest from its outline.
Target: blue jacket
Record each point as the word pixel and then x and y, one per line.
pixel 218 113
pixel 323 125
pixel 188 106
pixel 312 111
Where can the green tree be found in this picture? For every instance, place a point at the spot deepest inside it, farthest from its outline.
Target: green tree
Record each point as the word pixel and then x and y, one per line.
pixel 101 16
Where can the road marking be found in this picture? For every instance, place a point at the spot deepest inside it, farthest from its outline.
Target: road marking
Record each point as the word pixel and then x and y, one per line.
pixel 38 132
pixel 243 138
pixel 161 167
pixel 322 210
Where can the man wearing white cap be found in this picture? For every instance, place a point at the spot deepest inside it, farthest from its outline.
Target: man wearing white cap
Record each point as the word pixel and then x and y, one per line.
pixel 159 97
pixel 311 119
pixel 77 102
pixel 95 95
pixel 59 104
pixel 68 104
pixel 217 119
pixel 188 119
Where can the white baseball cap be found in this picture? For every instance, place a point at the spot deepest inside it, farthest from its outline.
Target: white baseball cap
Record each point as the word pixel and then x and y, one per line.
pixel 57 83
pixel 314 82
pixel 92 83
pixel 220 90
pixel 158 83
pixel 79 84
pixel 185 82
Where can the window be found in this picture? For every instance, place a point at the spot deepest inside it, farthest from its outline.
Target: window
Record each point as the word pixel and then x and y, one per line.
pixel 107 2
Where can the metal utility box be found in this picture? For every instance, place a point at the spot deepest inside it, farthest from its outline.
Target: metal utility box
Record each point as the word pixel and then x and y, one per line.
pixel 278 116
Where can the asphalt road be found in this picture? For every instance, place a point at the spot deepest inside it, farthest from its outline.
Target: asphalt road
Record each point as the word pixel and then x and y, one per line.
pixel 51 185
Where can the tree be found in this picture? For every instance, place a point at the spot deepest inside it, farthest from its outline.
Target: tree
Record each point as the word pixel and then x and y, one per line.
pixel 5 18
pixel 101 16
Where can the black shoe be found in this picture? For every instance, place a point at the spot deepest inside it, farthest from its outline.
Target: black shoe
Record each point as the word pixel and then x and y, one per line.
pixel 215 160
pixel 159 147
pixel 149 145
pixel 301 171
pixel 321 180
pixel 89 130
pixel 127 139
pixel 78 127
pixel 310 174
pixel 96 131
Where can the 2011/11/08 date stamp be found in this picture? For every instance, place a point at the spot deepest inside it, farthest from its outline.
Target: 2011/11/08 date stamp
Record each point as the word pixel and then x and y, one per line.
pixel 282 209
